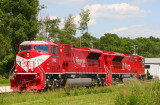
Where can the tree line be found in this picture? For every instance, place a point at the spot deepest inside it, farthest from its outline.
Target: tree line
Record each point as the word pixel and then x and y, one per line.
pixel 19 22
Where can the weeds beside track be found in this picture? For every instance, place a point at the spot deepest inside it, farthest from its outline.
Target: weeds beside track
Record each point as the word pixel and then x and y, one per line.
pixel 133 93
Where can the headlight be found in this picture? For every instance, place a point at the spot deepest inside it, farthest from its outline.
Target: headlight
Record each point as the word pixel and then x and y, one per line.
pixel 32 70
pixel 15 70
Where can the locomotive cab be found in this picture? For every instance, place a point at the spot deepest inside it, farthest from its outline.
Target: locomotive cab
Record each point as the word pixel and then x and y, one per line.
pixel 140 66
pixel 30 65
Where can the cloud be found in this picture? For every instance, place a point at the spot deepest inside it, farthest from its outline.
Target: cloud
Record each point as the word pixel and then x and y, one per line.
pixel 138 2
pixel 52 17
pixel 92 22
pixel 76 19
pixel 115 11
pixel 65 2
pixel 137 31
pixel 42 16
pixel 119 30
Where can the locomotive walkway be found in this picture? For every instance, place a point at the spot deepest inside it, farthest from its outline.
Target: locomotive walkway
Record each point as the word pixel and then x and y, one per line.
pixel 4 89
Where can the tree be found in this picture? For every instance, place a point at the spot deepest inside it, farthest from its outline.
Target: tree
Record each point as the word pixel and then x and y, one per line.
pixel 89 41
pixel 40 37
pixel 52 29
pixel 86 40
pixel 69 30
pixel 70 26
pixel 110 42
pixel 147 47
pixel 19 20
pixel 125 45
pixel 4 45
pixel 84 19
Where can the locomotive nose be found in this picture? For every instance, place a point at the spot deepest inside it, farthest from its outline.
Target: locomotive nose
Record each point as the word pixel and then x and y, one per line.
pixel 29 54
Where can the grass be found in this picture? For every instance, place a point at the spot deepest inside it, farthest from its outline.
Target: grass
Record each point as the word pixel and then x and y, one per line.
pixel 134 93
pixel 4 82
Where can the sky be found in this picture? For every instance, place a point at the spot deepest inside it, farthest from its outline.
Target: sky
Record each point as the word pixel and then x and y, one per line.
pixel 126 18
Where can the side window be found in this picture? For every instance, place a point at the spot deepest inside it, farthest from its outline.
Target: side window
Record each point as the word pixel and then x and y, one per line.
pixel 23 48
pixel 143 61
pixel 54 50
pixel 139 59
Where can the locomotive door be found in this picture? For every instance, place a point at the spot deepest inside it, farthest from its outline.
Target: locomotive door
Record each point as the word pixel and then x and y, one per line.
pixel 54 61
pixel 139 66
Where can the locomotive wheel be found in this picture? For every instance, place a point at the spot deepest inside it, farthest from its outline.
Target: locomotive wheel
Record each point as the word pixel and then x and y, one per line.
pixel 52 86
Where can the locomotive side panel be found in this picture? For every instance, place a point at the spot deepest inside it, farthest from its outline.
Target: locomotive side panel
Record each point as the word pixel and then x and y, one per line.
pixel 78 63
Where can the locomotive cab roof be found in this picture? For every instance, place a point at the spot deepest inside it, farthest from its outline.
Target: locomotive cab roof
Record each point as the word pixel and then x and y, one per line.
pixel 38 43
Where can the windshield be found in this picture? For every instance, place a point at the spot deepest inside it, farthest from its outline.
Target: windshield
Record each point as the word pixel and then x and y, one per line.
pixel 41 48
pixel 23 48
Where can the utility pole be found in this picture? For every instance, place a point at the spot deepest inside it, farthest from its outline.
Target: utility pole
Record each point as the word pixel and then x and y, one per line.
pixel 87 41
pixel 92 43
pixel 134 49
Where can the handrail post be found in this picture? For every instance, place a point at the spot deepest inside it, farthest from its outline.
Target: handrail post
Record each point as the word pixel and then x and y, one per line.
pixel 11 70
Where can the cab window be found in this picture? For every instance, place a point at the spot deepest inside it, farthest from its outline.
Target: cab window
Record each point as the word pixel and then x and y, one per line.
pixel 54 50
pixel 143 61
pixel 24 48
pixel 41 48
pixel 139 59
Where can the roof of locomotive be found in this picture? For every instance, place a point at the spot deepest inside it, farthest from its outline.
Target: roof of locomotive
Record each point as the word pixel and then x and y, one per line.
pixel 90 49
pixel 136 56
pixel 113 53
pixel 37 42
pixel 139 56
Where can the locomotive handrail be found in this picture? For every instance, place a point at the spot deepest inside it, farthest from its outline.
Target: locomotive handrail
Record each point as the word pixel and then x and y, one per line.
pixel 41 71
pixel 11 70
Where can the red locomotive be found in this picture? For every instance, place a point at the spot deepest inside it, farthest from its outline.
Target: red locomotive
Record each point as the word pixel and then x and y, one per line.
pixel 126 65
pixel 42 65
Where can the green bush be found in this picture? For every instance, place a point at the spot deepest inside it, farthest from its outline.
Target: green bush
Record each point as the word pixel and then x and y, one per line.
pixel 4 80
pixel 6 64
pixel 85 91
pixel 149 76
pixel 120 100
pixel 141 93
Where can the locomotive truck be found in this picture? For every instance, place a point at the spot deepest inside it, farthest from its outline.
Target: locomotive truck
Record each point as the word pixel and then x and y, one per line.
pixel 43 65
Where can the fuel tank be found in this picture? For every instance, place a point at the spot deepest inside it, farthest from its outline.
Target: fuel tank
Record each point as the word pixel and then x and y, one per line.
pixel 78 82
